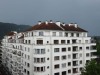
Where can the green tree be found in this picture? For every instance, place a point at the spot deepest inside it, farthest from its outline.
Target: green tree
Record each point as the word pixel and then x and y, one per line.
pixel 98 49
pixel 91 68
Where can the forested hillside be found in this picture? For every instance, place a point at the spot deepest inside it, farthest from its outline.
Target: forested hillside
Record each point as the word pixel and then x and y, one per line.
pixel 7 27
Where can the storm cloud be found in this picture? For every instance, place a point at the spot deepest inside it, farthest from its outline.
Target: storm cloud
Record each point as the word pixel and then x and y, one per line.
pixel 86 13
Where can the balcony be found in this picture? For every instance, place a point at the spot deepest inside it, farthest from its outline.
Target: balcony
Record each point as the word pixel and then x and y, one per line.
pixel 93 55
pixel 93 47
pixel 75 56
pixel 93 41
pixel 75 70
pixel 75 63
pixel 75 48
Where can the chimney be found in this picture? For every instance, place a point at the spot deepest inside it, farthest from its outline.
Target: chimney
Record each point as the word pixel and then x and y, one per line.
pixel 63 24
pixel 69 24
pixel 50 21
pixel 75 25
pixel 39 22
pixel 58 23
pixel 46 22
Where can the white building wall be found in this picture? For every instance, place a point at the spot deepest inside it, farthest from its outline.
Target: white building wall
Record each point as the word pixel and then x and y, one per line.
pixel 48 44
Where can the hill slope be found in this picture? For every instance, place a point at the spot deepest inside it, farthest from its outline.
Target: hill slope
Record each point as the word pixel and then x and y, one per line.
pixel 7 27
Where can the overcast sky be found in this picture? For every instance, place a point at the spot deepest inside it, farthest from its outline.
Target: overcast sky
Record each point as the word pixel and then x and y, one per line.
pixel 86 13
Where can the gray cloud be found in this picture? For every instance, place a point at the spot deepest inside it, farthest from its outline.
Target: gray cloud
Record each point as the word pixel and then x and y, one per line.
pixel 84 12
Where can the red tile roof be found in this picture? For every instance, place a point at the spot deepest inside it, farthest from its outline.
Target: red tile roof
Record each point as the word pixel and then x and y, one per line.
pixel 21 37
pixel 10 38
pixel 54 26
pixel 73 28
pixel 44 26
pixel 10 33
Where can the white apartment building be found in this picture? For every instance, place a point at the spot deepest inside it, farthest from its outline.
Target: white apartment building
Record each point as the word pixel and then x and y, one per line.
pixel 48 49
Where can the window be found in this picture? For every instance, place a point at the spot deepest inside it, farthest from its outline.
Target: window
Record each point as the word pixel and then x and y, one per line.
pixel 25 70
pixel 63 49
pixel 80 48
pixel 47 58
pixel 28 49
pixel 63 65
pixel 75 70
pixel 56 66
pixel 40 33
pixel 56 73
pixel 39 51
pixel 60 33
pixel 25 56
pixel 39 41
pixel 29 41
pixel 87 61
pixel 39 69
pixel 54 34
pixel 42 59
pixel 25 48
pixel 28 73
pixel 56 41
pixel 72 34
pixel 62 41
pixel 77 34
pixel 35 69
pixel 39 60
pixel 32 33
pixel 56 58
pixel 93 47
pixel 26 41
pixel 69 71
pixel 25 63
pixel 66 34
pixel 75 56
pixel 80 61
pixel 63 57
pixel 81 68
pixel 48 67
pixel 69 48
pixel 68 41
pixel 56 49
pixel 87 54
pixel 42 51
pixel 74 41
pixel 75 48
pixel 64 73
pixel 35 60
pixel 69 63
pixel 87 47
pixel 47 41
pixel 28 57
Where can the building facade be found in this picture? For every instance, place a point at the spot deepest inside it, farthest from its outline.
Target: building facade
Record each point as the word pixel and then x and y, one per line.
pixel 48 49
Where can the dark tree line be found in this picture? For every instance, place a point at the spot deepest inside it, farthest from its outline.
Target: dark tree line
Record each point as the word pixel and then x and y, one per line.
pixel 93 67
pixel 7 27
